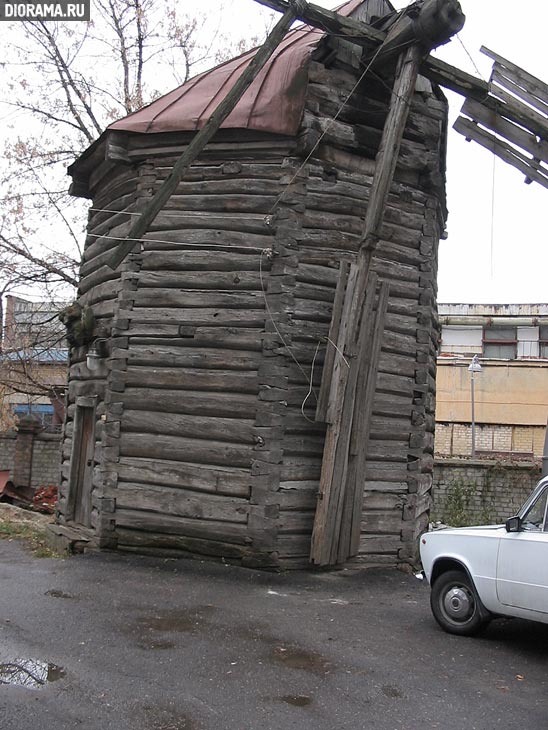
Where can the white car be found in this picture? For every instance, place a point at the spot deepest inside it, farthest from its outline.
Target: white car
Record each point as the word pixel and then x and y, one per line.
pixel 477 573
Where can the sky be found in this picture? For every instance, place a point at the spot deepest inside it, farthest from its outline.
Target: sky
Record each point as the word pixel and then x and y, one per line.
pixel 497 245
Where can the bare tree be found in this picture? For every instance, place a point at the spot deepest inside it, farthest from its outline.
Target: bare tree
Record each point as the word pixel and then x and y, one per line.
pixel 61 84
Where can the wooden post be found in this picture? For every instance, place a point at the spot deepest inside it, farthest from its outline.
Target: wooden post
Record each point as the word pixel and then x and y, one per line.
pixel 334 481
pixel 387 156
pixel 204 135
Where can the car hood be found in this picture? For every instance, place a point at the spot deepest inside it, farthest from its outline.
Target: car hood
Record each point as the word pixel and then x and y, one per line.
pixel 476 529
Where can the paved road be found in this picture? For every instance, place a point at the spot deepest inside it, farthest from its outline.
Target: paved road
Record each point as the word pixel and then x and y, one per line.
pixel 143 644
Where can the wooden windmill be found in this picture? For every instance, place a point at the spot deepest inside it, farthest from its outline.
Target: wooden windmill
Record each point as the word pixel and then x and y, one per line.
pixel 508 116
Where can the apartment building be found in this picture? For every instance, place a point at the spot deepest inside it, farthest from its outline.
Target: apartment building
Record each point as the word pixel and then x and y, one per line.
pixel 509 395
pixel 33 363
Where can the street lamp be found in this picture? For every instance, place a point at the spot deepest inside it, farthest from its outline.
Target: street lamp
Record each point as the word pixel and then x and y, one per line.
pixel 474 367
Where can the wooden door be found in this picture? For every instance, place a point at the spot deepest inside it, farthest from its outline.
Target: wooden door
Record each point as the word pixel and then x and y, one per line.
pixel 82 465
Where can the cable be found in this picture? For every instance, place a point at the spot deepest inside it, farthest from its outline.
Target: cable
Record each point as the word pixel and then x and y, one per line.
pixel 208 246
pixel 326 130
pixel 269 312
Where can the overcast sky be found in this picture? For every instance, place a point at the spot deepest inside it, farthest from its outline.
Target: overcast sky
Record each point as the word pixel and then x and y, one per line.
pixel 497 249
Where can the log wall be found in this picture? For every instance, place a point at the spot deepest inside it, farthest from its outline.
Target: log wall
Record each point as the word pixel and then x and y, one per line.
pixel 198 447
pixel 338 177
pixel 116 194
pixel 206 439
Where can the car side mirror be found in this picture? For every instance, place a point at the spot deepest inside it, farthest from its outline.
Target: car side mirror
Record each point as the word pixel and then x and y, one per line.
pixel 513 524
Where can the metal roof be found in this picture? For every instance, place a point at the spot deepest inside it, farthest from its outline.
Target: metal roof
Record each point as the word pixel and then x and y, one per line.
pixel 273 103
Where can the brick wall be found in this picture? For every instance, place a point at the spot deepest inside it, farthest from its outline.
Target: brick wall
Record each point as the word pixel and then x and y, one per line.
pixel 455 439
pixel 45 457
pixel 480 492
pixel 7 450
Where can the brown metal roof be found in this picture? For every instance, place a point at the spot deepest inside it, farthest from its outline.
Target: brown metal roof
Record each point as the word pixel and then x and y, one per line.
pixel 273 103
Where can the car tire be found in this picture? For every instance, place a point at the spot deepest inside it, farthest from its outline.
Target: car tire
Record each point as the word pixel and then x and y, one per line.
pixel 456 605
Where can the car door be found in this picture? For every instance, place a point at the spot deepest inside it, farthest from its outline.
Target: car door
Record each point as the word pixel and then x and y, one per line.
pixel 522 561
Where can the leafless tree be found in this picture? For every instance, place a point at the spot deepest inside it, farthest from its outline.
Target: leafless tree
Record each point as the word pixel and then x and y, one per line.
pixel 61 84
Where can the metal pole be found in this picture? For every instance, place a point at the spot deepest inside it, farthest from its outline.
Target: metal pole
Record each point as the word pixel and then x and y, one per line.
pixel 473 415
pixel 545 454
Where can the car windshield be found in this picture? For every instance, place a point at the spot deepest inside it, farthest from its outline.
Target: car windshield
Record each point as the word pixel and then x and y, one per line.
pixel 535 516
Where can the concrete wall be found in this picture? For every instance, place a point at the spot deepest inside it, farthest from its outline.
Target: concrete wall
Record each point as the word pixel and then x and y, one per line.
pixel 45 457
pixel 479 492
pixel 506 393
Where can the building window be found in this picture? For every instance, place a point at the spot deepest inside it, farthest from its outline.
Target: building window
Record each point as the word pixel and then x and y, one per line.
pixel 44 413
pixel 543 340
pixel 500 343
pixel 460 340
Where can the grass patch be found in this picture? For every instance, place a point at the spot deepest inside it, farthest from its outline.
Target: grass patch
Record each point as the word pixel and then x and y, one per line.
pixel 33 536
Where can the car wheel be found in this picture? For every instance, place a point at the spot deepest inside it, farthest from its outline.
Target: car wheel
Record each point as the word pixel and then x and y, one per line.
pixel 456 605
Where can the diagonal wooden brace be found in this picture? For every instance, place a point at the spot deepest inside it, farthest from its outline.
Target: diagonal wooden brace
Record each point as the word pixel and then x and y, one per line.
pixel 139 228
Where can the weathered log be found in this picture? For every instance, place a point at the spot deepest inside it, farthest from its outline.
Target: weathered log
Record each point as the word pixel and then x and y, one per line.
pixel 152 522
pixel 177 502
pixel 229 481
pixel 227 430
pixel 199 317
pixel 192 379
pixel 185 449
pixel 158 544
pixel 228 405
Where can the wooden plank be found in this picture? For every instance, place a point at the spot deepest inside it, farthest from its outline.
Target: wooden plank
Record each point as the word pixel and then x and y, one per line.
pixel 199 317
pixel 327 523
pixel 517 111
pixel 509 154
pixel 332 339
pixel 364 364
pixel 160 298
pixel 206 260
pixel 194 280
pixel 203 136
pixel 533 84
pixel 512 132
pixel 362 421
pixel 500 77
pixel 387 156
pixel 333 483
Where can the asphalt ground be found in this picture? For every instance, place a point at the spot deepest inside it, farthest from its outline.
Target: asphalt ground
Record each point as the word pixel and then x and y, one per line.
pixel 127 642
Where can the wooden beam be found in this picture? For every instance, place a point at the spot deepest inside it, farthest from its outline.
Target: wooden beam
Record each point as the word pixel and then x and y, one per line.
pixel 333 336
pixel 331 22
pixel 212 125
pixel 452 78
pixel 363 411
pixel 360 292
pixel 533 85
pixel 517 135
pixel 366 36
pixel 530 168
pixel 387 156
